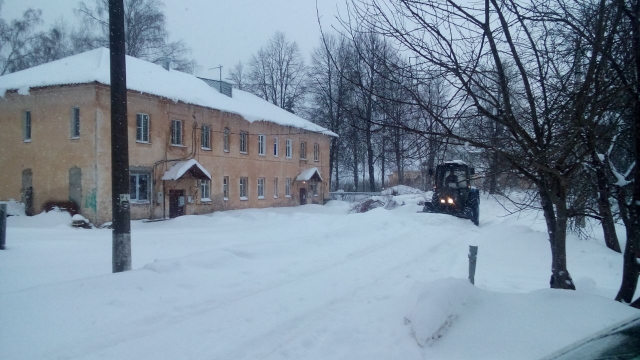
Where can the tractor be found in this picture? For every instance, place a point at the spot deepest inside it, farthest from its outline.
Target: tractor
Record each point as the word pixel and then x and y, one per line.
pixel 452 193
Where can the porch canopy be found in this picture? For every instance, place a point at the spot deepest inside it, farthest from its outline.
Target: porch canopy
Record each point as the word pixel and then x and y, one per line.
pixel 191 167
pixel 309 174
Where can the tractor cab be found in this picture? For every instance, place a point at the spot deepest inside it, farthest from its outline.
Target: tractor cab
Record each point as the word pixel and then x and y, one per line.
pixel 452 193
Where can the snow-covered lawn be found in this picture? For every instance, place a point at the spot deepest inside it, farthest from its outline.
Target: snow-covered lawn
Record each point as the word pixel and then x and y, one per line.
pixel 310 282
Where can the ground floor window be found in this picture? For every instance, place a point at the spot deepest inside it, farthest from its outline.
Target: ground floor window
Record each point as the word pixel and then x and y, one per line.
pixel 275 188
pixel 261 188
pixel 205 190
pixel 225 188
pixel 244 188
pixel 139 187
pixel 287 188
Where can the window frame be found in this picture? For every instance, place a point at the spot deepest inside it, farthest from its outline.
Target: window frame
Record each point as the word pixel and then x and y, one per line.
pixel 225 139
pixel 144 130
pixel 276 146
pixel 262 182
pixel 287 188
pixel 205 187
pixel 316 152
pixel 225 188
pixel 174 135
pixel 244 188
pixel 74 131
pixel 262 145
pixel 288 148
pixel 275 188
pixel 205 129
pixel 136 198
pixel 27 126
pixel 303 150
pixel 244 142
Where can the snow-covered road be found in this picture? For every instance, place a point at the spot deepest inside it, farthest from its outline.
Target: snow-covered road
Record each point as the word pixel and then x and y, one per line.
pixel 309 282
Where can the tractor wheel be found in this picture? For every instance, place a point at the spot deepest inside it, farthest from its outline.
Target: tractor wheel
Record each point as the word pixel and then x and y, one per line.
pixel 474 207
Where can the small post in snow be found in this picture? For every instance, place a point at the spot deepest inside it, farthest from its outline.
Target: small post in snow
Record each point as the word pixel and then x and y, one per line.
pixel 473 255
pixel 3 225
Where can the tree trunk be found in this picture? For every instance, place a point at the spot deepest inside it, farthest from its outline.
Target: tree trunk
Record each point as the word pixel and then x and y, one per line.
pixel 630 266
pixel 557 229
pixel 604 206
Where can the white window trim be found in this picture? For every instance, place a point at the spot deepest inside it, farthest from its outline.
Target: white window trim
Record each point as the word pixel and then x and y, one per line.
pixel 226 139
pixel 148 133
pixel 303 153
pixel 246 142
pixel 264 183
pixel 262 145
pixel 287 187
pixel 209 131
pixel 181 144
pixel 225 198
pixel 208 198
pixel 275 188
pixel 244 187
pixel 289 148
pixel 316 152
pixel 276 146
pixel 137 201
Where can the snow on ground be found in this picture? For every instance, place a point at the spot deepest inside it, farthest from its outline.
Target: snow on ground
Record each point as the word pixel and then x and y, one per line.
pixel 309 282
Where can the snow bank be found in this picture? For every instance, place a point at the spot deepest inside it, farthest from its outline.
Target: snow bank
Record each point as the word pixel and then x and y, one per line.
pixel 14 208
pixel 451 312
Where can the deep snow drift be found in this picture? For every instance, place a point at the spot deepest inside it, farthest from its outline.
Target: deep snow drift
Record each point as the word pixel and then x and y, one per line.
pixel 309 282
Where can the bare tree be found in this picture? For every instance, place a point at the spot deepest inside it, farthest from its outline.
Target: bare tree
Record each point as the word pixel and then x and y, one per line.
pixel 16 41
pixel 146 36
pixel 277 73
pixel 237 76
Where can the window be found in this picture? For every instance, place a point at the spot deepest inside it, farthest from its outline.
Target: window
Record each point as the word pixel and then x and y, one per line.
pixel 176 132
pixel 225 188
pixel 275 146
pixel 262 144
pixel 275 188
pixel 316 152
pixel 26 126
pixel 244 188
pixel 244 136
pixel 225 139
pixel 205 190
pixel 205 137
pixel 75 123
pixel 142 128
pixel 287 188
pixel 139 187
pixel 303 150
pixel 261 188
pixel 288 148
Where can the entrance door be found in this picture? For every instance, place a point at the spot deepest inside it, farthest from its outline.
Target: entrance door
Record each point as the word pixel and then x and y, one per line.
pixel 176 203
pixel 303 196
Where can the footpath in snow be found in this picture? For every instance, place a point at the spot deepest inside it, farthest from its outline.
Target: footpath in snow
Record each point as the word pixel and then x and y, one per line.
pixel 309 282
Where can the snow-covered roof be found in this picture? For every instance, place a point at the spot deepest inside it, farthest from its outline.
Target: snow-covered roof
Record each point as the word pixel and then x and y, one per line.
pixel 93 66
pixel 307 174
pixel 180 168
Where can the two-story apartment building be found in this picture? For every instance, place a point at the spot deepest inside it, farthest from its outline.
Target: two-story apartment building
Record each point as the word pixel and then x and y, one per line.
pixel 192 149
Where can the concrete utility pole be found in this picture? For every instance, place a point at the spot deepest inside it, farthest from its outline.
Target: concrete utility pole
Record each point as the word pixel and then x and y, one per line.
pixel 121 255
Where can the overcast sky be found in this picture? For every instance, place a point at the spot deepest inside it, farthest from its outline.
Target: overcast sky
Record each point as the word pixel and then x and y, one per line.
pixel 220 32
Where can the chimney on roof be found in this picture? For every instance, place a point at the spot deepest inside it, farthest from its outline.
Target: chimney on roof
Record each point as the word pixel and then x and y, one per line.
pixel 166 64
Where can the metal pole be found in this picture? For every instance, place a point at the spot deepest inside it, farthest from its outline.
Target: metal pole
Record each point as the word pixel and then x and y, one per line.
pixel 3 225
pixel 121 236
pixel 473 254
